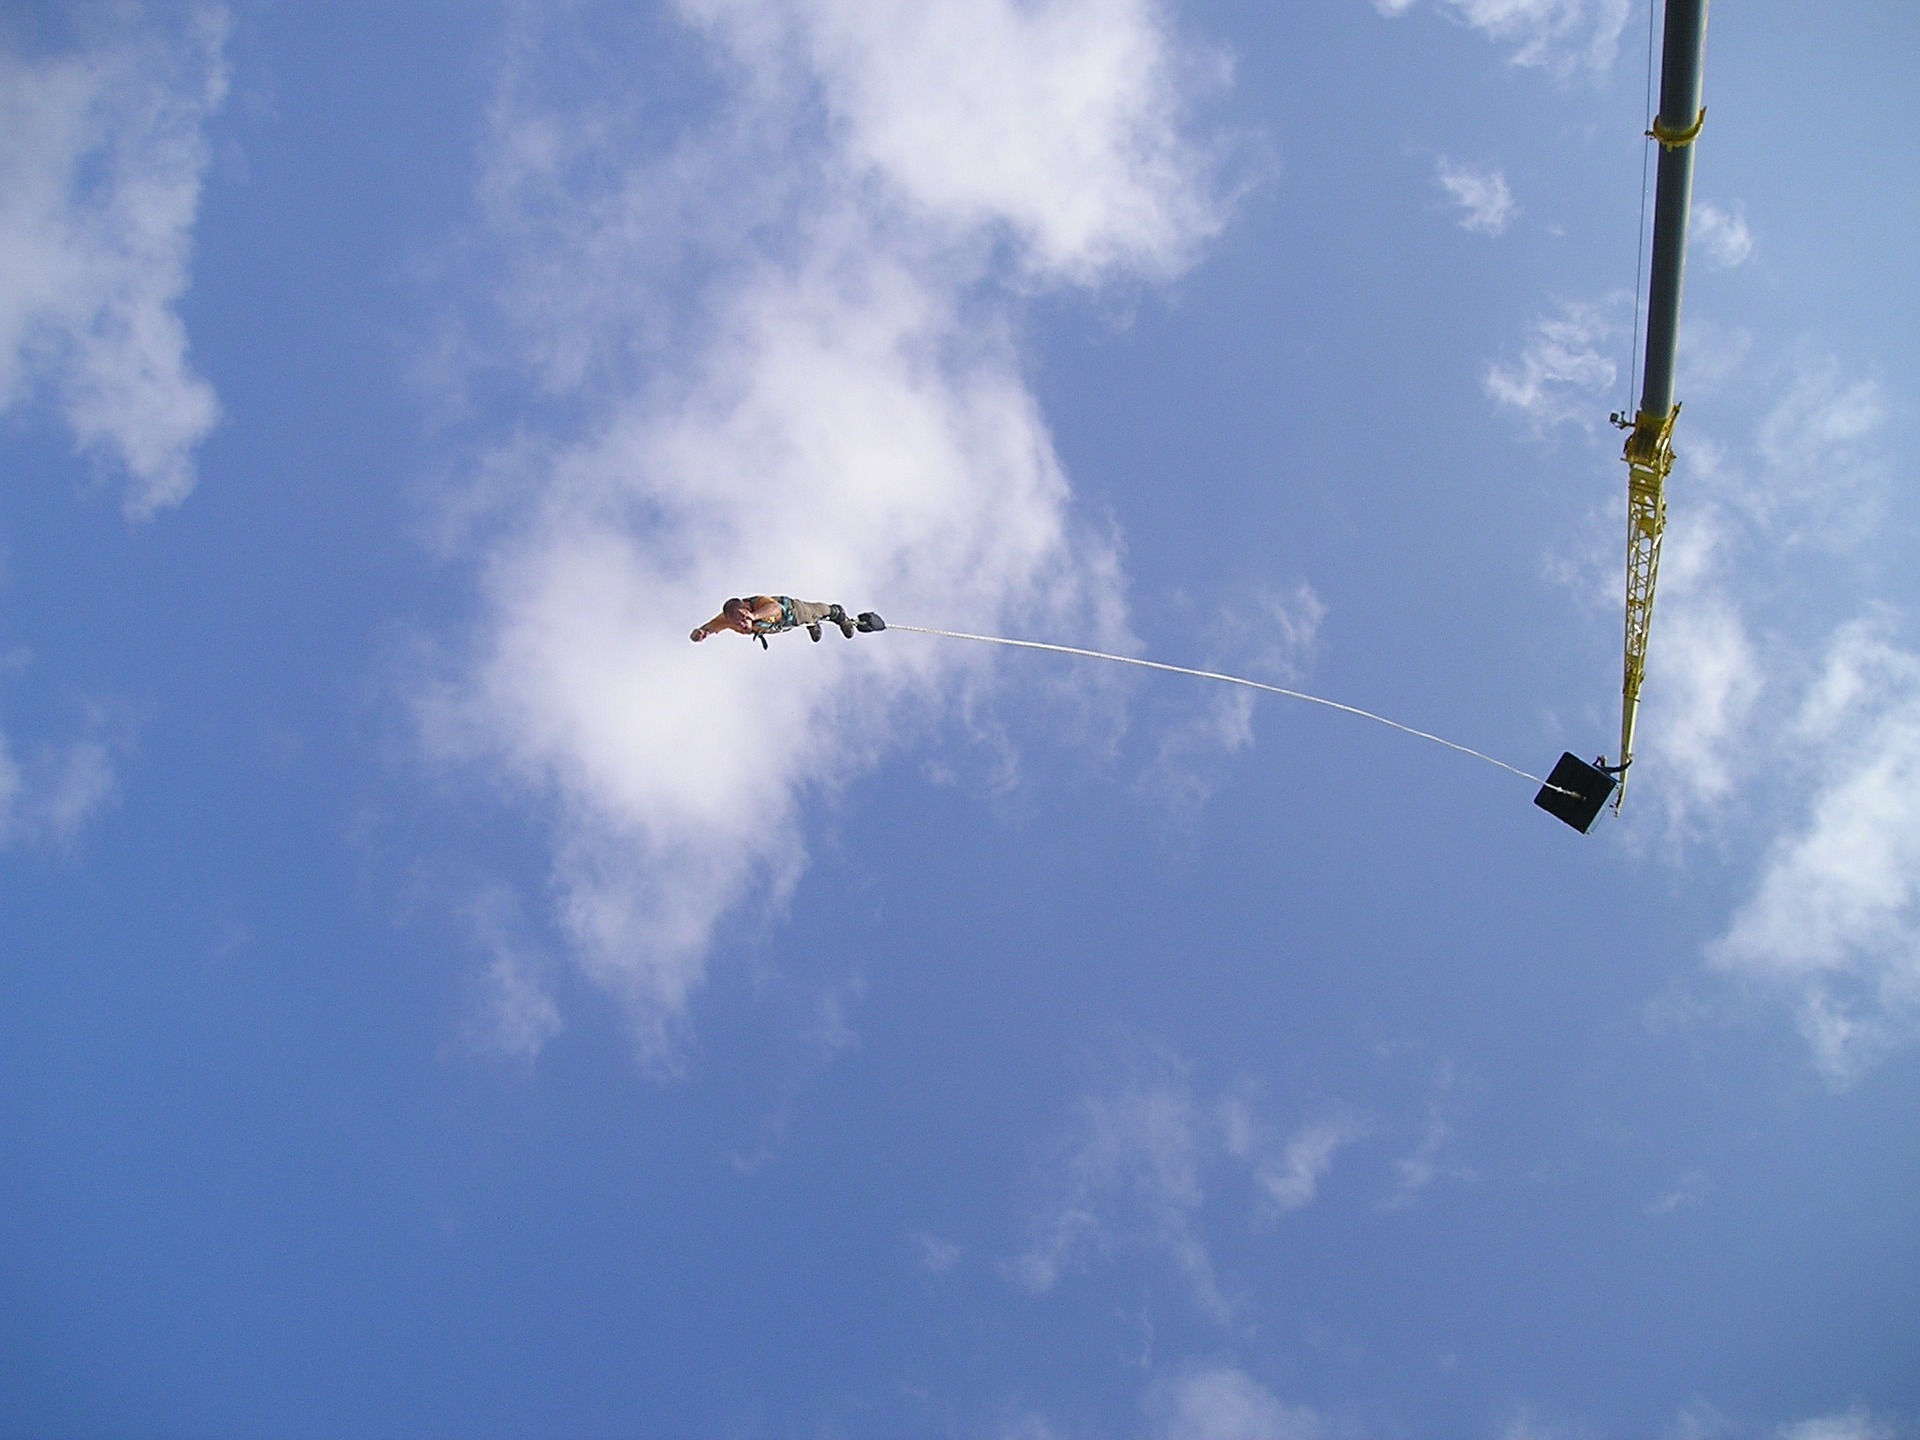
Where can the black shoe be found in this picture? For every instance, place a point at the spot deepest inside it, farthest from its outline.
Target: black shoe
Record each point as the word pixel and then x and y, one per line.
pixel 839 617
pixel 813 632
pixel 869 622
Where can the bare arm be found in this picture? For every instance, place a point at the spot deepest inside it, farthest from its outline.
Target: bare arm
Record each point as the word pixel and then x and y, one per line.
pixel 760 607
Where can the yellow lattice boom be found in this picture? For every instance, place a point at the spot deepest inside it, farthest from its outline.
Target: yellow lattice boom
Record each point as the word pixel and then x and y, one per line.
pixel 1649 456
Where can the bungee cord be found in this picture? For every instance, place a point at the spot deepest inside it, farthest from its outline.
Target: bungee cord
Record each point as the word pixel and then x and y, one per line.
pixel 1230 680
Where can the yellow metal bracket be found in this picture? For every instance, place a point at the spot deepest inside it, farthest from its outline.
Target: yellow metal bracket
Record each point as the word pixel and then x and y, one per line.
pixel 1649 457
pixel 1675 139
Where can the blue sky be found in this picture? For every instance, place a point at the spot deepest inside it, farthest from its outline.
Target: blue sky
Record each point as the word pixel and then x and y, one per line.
pixel 443 1001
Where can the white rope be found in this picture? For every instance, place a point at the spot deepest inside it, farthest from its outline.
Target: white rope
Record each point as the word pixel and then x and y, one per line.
pixel 1227 679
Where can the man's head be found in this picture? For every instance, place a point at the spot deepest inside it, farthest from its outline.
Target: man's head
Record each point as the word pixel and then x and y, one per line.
pixel 738 615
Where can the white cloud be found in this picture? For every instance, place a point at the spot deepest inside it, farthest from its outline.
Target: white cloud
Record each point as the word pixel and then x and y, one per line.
pixel 102 154
pixel 1819 475
pixel 1688 1191
pixel 1834 918
pixel 936 1254
pixel 48 798
pixel 1223 1403
pixel 1433 1159
pixel 1560 35
pixel 520 1015
pixel 1480 191
pixel 1709 676
pixel 1527 1425
pixel 1288 1174
pixel 1563 371
pixel 828 1035
pixel 1027 1425
pixel 54 795
pixel 1812 475
pixel 1700 1421
pixel 1295 1180
pixel 1427 1162
pixel 1059 123
pixel 832 1030
pixel 792 343
pixel 516 1016
pixel 1855 1424
pixel 1127 1174
pixel 1721 235
pixel 1264 635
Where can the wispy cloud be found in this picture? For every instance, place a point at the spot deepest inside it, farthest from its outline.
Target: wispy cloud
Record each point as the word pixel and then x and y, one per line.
pixel 827 1035
pixel 1528 1424
pixel 102 153
pixel 1688 1191
pixel 1434 1158
pixel 1129 1173
pixel 1224 1403
pixel 1266 635
pixel 936 1254
pixel 1486 206
pixel 48 794
pixel 1126 1174
pixel 1295 1180
pixel 1818 471
pixel 1855 1424
pixel 1427 1162
pixel 1027 1425
pixel 804 308
pixel 516 1015
pixel 53 795
pixel 1288 1172
pixel 520 1015
pixel 1721 235
pixel 1560 35
pixel 1701 1421
pixel 1834 917
pixel 1566 365
pixel 1711 675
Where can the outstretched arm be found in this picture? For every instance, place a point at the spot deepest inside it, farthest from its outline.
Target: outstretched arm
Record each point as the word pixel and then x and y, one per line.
pixel 758 607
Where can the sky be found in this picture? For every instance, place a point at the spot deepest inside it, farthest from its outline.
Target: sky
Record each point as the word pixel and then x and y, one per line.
pixel 442 1001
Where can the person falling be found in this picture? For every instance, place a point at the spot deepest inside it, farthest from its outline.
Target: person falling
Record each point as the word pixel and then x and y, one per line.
pixel 758 616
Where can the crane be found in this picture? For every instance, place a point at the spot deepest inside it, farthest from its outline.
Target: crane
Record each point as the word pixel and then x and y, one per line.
pixel 1576 791
pixel 1649 447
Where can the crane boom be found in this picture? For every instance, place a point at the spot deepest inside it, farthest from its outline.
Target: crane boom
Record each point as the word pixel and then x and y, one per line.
pixel 1649 448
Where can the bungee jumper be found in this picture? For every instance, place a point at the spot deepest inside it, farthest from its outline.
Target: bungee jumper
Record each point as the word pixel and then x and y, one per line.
pixel 758 616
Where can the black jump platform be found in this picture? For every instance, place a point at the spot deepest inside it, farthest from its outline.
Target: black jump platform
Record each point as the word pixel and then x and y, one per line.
pixel 1575 791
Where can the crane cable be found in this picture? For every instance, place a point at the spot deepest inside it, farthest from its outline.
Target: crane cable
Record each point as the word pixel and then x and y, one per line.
pixel 1230 680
